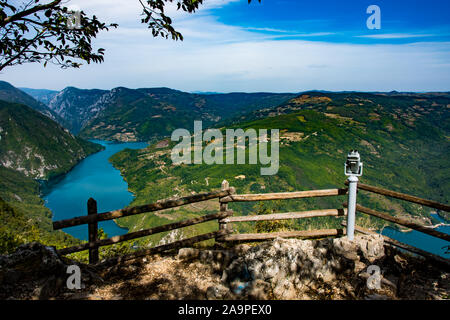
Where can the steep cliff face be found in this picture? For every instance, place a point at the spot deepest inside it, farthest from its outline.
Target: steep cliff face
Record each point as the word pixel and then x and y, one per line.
pixel 37 146
pixel 77 106
pixel 146 114
pixel 279 269
pixel 125 114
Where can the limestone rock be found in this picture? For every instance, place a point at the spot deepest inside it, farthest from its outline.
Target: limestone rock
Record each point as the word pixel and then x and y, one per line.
pixel 370 247
pixel 34 268
pixel 291 265
pixel 218 292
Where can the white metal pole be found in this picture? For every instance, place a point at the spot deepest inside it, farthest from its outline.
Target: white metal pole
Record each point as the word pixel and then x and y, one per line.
pixel 352 187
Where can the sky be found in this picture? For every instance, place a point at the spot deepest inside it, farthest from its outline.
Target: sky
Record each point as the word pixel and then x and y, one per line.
pixel 272 46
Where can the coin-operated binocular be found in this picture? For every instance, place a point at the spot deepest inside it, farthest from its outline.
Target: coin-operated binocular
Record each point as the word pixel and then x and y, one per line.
pixel 353 165
pixel 353 169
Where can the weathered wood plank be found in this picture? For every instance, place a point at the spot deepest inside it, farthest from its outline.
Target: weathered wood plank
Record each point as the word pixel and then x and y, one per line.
pixel 159 205
pixel 143 233
pixel 403 196
pixel 162 248
pixel 289 215
pixel 224 206
pixel 283 195
pixel 284 234
pixel 92 231
pixel 403 222
pixel 405 246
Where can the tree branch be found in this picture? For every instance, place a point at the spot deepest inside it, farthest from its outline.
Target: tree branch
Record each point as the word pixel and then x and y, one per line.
pixel 9 61
pixel 27 12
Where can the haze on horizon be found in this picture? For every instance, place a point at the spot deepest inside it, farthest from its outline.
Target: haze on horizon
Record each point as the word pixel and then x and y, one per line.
pixel 273 46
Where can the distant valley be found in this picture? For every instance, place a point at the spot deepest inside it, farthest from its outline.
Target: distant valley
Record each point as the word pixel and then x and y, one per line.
pixel 404 140
pixel 123 114
pixel 43 135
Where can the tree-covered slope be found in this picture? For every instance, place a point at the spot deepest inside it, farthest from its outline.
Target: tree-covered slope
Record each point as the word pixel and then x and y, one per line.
pixel 23 216
pixel 36 145
pixel 403 141
pixel 232 104
pixel 143 114
pixel 153 113
pixel 77 106
pixel 132 115
pixel 10 93
pixel 32 146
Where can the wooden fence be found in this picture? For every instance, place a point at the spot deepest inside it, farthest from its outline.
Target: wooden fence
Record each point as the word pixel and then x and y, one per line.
pixel 225 222
pixel 402 221
pixel 225 219
pixel 93 218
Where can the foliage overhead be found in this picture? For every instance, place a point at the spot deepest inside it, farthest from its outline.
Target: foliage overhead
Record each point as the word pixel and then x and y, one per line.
pixel 48 31
pixel 36 32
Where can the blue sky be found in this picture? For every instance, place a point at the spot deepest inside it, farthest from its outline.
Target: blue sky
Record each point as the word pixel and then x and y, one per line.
pixel 278 46
pixel 342 21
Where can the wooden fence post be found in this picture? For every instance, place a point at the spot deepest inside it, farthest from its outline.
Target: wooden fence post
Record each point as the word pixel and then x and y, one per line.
pixel 93 231
pixel 224 208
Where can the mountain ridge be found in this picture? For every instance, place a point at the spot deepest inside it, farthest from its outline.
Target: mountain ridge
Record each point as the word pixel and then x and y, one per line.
pixel 36 145
pixel 10 93
pixel 125 114
pixel 403 143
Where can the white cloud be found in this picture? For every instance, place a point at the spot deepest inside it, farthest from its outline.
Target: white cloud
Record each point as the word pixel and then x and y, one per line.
pixel 126 11
pixel 219 57
pixel 397 36
pixel 289 33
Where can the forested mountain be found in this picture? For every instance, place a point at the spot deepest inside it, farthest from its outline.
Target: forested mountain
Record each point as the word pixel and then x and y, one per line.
pixel 403 140
pixel 32 146
pixel 125 114
pixel 36 145
pixel 10 93
pixel 77 106
pixel 23 216
pixel 149 114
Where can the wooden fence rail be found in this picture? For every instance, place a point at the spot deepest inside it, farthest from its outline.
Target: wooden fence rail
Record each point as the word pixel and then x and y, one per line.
pixel 144 233
pixel 284 234
pixel 160 205
pixel 283 195
pixel 173 245
pixel 93 218
pixel 288 215
pixel 403 196
pixel 225 218
pixel 225 223
pixel 403 222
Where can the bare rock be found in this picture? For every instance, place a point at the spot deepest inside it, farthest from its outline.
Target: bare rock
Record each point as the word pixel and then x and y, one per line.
pixel 258 290
pixel 291 265
pixel 368 247
pixel 34 271
pixel 218 292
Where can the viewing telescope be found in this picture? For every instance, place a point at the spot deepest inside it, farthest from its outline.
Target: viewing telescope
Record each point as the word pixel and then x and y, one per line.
pixel 353 165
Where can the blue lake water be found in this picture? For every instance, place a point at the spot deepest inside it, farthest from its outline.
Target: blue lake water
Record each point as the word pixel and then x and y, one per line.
pixel 93 177
pixel 96 177
pixel 421 240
